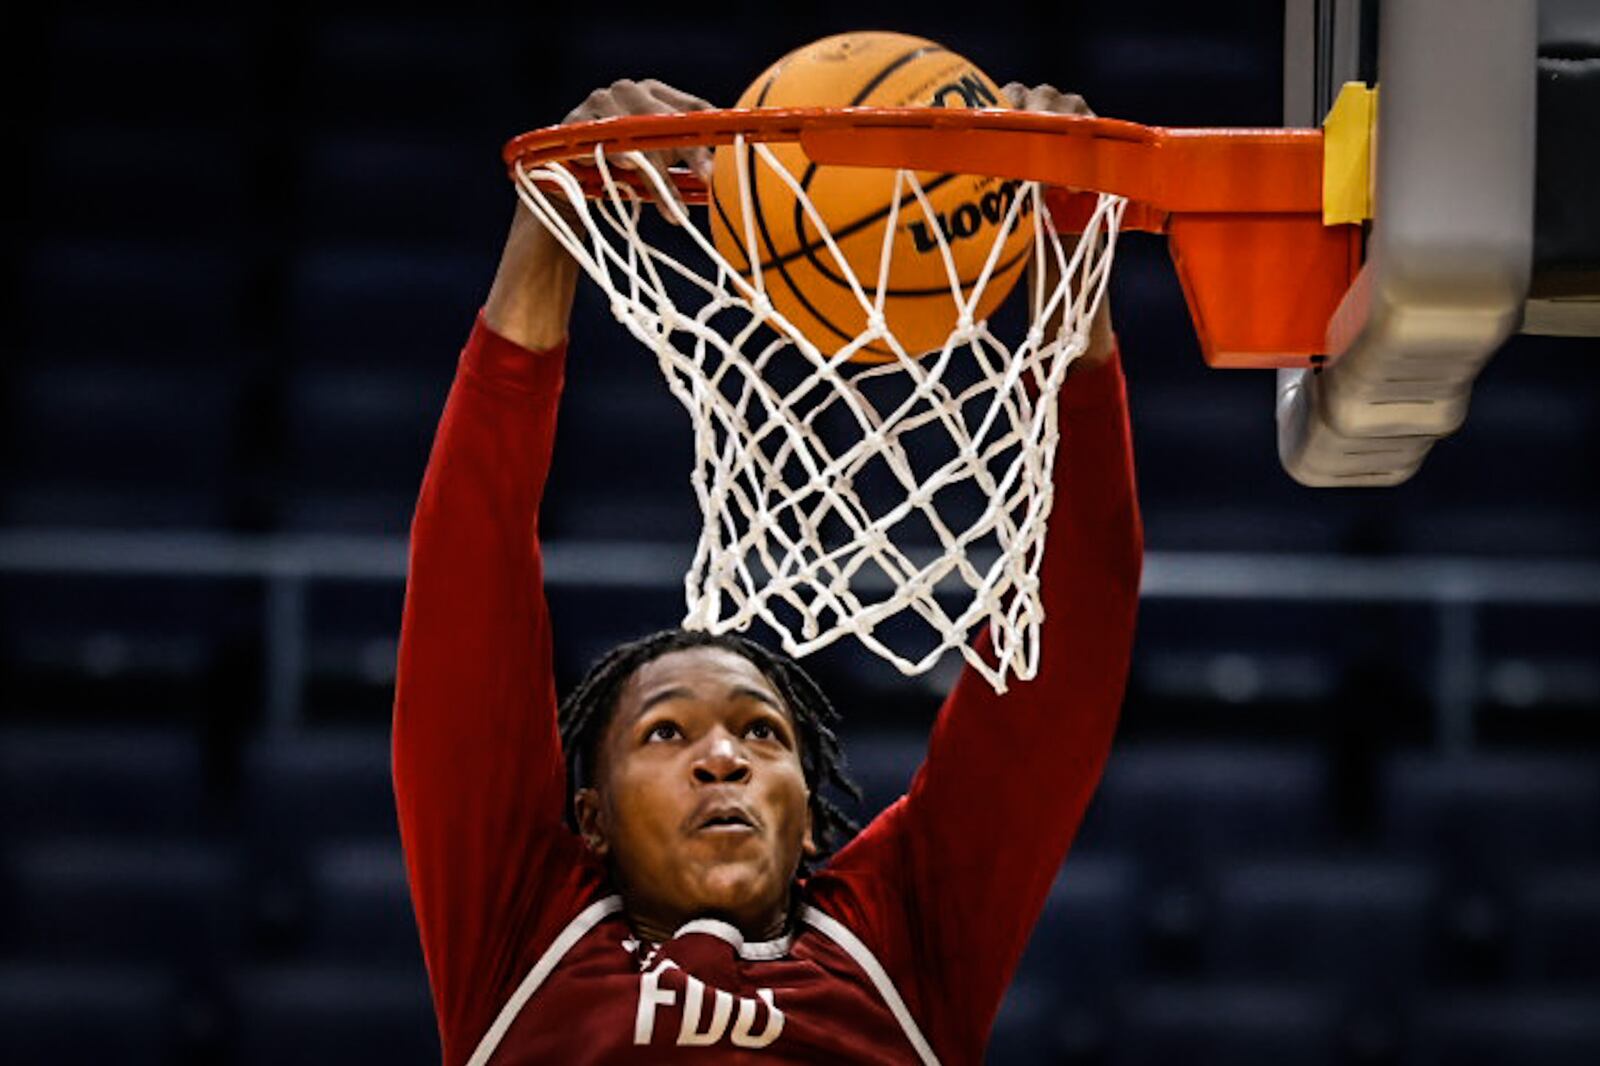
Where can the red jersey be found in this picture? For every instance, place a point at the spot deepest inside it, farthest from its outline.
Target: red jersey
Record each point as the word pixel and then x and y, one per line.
pixel 903 942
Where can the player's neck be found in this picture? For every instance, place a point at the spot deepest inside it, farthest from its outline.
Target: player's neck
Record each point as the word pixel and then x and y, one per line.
pixel 659 928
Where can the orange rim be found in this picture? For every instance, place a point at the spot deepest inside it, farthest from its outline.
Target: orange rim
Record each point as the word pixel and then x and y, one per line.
pixel 1241 208
pixel 1164 169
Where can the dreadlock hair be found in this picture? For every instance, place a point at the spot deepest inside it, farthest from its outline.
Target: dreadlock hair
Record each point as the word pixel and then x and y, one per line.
pixel 586 711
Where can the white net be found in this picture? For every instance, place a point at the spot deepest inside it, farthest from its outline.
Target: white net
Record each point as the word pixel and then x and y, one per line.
pixel 902 503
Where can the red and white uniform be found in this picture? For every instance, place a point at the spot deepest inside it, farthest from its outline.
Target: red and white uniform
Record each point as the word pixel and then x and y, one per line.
pixel 905 940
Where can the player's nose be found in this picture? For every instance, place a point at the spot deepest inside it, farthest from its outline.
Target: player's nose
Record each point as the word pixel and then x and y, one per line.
pixel 721 760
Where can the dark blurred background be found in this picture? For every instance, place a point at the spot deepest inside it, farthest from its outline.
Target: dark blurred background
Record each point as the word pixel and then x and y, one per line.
pixel 1354 811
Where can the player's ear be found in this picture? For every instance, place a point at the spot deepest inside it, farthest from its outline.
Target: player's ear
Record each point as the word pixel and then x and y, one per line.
pixel 808 842
pixel 591 820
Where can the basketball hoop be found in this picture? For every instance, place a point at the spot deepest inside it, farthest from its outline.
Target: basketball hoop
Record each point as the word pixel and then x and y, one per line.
pixel 905 503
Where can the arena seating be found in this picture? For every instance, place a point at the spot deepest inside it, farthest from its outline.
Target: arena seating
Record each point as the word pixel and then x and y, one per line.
pixel 64 782
pixel 1555 926
pixel 1186 806
pixel 104 899
pixel 1358 926
pixel 333 1013
pixel 1236 1024
pixel 1550 1029
pixel 74 1013
pixel 358 903
pixel 300 791
pixel 881 764
pixel 1090 940
pixel 1297 939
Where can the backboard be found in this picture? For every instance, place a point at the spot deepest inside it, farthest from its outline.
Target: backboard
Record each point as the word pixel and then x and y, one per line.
pixel 1484 138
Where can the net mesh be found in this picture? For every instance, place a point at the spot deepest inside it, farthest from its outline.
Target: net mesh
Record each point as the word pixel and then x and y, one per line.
pixel 903 503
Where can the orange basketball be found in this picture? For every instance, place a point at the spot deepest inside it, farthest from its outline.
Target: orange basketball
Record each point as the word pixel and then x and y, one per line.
pixel 801 275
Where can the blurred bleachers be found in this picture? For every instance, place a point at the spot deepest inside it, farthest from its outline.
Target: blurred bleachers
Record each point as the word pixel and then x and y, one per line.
pixel 1197 911
pixel 241 249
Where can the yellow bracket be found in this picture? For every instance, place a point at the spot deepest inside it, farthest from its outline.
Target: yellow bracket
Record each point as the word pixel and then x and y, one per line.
pixel 1347 135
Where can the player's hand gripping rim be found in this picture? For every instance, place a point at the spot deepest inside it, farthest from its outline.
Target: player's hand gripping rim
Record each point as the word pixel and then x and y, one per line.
pixel 1050 100
pixel 650 97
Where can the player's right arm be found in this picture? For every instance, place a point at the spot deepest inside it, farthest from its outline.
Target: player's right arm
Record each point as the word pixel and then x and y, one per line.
pixel 531 298
pixel 479 777
pixel 480 781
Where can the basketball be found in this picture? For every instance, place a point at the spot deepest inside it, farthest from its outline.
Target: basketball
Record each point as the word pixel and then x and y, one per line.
pixel 801 274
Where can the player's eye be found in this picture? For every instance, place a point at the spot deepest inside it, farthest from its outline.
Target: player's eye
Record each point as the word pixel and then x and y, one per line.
pixel 762 730
pixel 663 731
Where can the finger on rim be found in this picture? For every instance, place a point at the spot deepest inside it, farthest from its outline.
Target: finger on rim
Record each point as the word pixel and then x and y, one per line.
pixel 652 97
pixel 649 96
pixel 696 157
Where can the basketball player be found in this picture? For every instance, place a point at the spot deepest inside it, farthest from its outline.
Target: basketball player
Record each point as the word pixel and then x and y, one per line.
pixel 646 876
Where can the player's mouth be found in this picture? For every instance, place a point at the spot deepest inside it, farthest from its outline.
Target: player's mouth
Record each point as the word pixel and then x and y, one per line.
pixel 723 818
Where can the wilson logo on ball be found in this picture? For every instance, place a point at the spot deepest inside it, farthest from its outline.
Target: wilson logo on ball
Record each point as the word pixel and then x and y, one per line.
pixel 967 219
pixel 969 90
pixel 829 292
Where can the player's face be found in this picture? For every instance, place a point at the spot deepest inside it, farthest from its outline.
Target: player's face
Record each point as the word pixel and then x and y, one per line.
pixel 701 802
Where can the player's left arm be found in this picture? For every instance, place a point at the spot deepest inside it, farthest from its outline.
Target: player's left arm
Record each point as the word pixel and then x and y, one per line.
pixel 952 878
pixel 991 813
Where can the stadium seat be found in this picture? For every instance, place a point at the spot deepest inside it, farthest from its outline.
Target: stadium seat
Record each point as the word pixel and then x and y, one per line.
pixel 168 301
pixel 1539 529
pixel 1487 1030
pixel 186 184
pixel 142 783
pixel 320 786
pixel 1527 439
pixel 675 52
pixel 329 1014
pixel 109 900
pixel 1226 1025
pixel 126 66
pixel 78 1016
pixel 1555 926
pixel 406 187
pixel 132 642
pixel 1035 1026
pixel 96 444
pixel 1483 821
pixel 1240 526
pixel 610 419
pixel 355 445
pixel 360 514
pixel 1359 926
pixel 882 764
pixel 615 496
pixel 302 793
pixel 352 628
pixel 360 906
pixel 382 307
pixel 448 72
pixel 1087 942
pixel 1485 818
pixel 1194 436
pixel 1180 807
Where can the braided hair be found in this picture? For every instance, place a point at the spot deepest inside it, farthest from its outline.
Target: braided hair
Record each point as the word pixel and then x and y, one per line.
pixel 585 713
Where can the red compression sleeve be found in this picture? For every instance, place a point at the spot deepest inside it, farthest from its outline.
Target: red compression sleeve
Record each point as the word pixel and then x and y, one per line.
pixel 479 778
pixel 949 881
